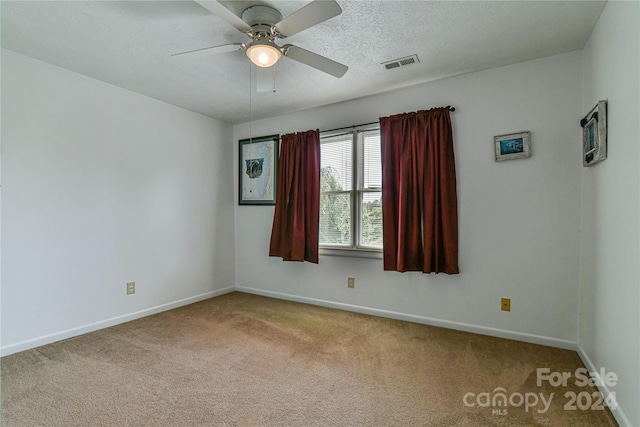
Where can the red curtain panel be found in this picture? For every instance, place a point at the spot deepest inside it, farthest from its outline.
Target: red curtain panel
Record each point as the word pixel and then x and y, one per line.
pixel 294 236
pixel 419 201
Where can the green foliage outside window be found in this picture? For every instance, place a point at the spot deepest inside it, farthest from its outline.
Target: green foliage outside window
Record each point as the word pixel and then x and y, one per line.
pixel 335 213
pixel 335 210
pixel 371 234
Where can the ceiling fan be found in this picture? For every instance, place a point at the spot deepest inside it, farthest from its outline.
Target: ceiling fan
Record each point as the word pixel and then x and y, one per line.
pixel 264 25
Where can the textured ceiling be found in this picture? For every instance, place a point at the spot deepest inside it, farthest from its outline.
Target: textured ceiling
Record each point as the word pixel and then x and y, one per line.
pixel 129 44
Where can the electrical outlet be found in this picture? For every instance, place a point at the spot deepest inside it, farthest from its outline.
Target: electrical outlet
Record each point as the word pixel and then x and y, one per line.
pixel 351 282
pixel 131 288
pixel 505 304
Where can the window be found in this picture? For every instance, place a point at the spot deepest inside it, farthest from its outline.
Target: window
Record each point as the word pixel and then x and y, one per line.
pixel 351 190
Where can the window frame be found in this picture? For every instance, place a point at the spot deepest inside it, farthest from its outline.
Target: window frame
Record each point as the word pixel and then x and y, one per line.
pixel 355 248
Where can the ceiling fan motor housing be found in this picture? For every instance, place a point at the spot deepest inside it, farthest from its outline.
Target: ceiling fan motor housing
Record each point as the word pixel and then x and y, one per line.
pixel 261 18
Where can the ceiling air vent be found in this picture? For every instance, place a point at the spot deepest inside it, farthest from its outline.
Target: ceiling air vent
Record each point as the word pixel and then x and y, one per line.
pixel 407 60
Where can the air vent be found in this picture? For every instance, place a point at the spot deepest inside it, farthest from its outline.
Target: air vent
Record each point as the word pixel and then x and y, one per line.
pixel 402 62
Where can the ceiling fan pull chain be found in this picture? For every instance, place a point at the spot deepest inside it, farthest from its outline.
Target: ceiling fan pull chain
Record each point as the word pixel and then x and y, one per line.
pixel 273 84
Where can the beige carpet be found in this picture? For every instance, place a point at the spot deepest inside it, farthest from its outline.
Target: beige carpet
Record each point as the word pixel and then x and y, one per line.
pixel 246 360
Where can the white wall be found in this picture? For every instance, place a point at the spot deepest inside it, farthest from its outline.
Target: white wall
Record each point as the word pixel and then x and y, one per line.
pixel 103 186
pixel 609 297
pixel 518 220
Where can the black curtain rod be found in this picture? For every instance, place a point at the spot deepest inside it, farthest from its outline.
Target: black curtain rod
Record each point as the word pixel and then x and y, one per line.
pixel 452 109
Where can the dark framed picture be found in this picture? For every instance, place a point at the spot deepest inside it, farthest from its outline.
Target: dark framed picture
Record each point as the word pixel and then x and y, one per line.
pixel 512 146
pixel 594 135
pixel 258 170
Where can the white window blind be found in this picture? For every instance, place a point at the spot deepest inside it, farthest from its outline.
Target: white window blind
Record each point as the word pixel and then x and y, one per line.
pixel 336 182
pixel 370 190
pixel 351 190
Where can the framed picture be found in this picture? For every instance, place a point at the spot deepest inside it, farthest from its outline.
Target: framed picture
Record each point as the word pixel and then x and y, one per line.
pixel 594 135
pixel 258 170
pixel 512 146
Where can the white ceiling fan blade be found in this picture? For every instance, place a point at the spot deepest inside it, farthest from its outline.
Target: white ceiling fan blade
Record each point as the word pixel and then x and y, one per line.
pixel 314 13
pixel 218 9
pixel 265 79
pixel 208 51
pixel 316 61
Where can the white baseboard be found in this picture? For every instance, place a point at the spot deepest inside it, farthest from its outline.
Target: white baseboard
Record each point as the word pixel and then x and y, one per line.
pixel 465 327
pixel 618 413
pixel 69 333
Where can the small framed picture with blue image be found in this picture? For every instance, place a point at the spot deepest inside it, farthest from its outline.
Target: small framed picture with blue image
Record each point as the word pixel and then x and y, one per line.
pixel 512 146
pixel 594 135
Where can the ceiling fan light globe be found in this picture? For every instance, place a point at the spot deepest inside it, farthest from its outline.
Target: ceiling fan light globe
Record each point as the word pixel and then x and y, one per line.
pixel 263 55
